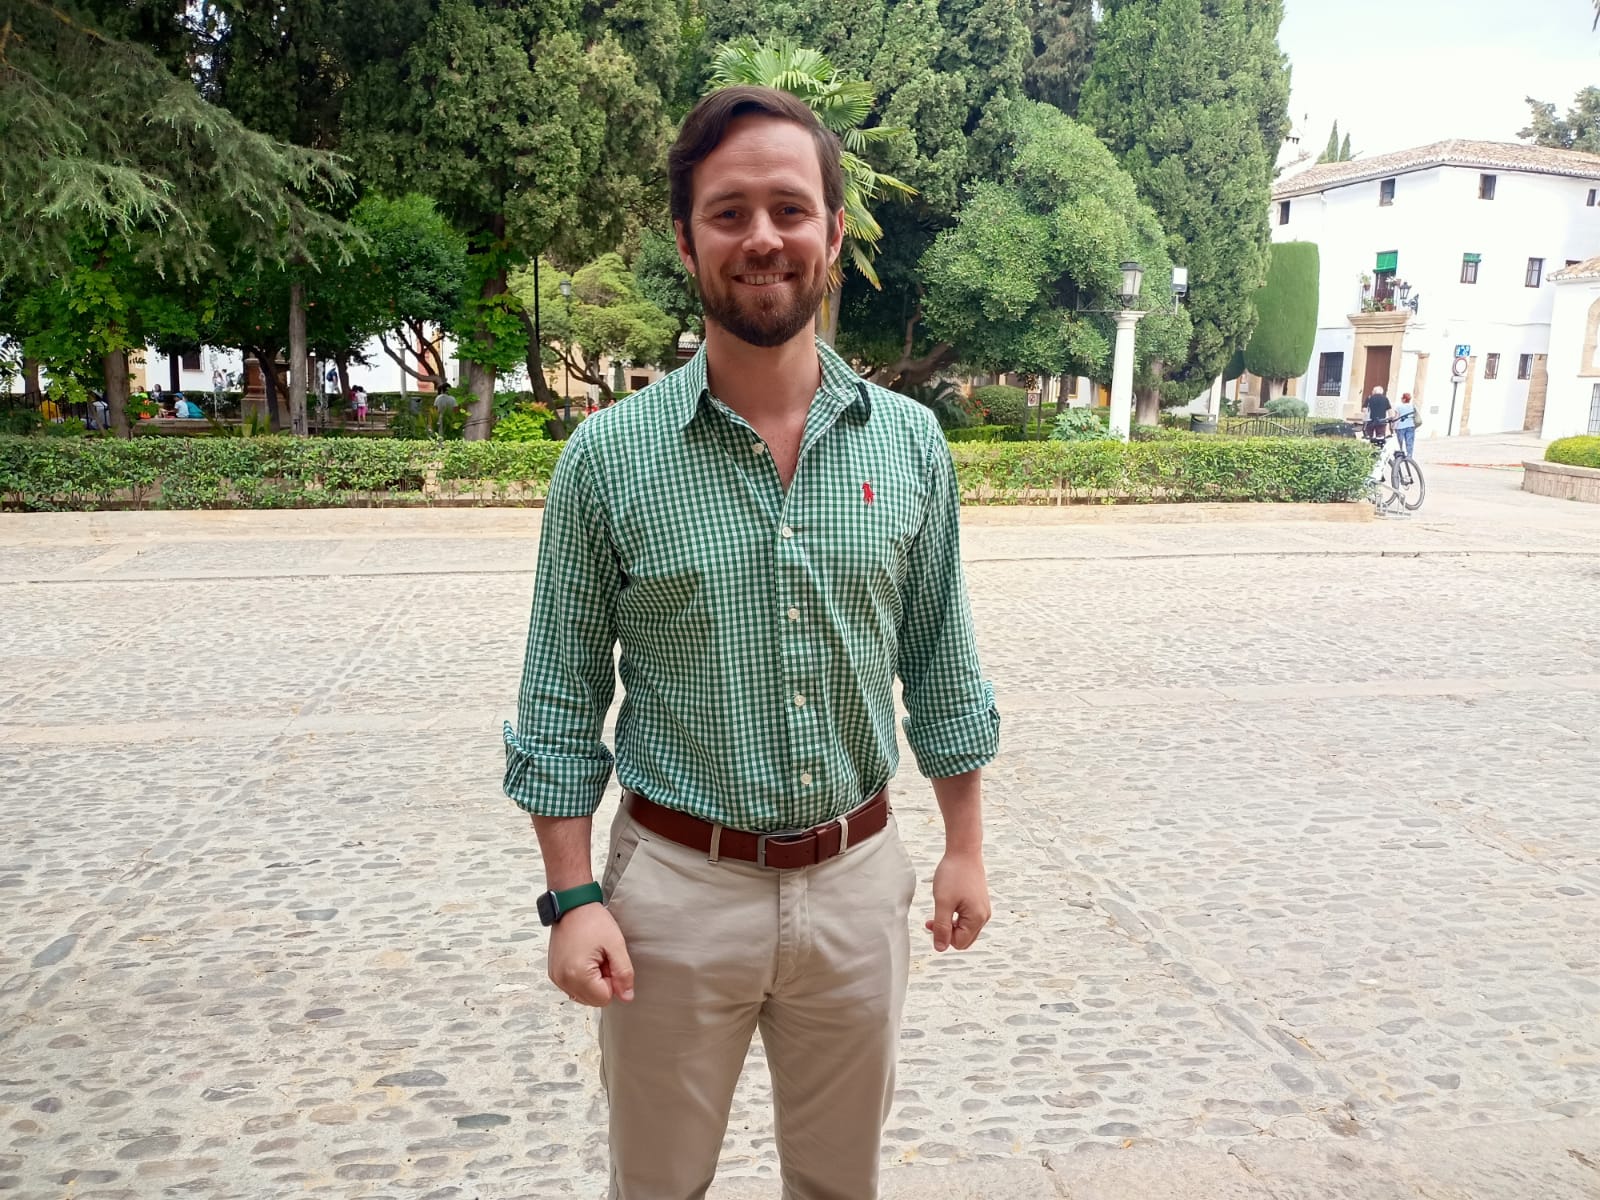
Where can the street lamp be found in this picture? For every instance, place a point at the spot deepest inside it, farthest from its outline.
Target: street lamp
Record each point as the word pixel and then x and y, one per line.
pixel 1127 319
pixel 566 349
pixel 1403 297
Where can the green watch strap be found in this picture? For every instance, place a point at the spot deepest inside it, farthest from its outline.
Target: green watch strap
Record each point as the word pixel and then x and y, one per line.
pixel 572 898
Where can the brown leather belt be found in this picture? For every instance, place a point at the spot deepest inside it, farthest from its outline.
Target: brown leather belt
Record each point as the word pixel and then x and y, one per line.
pixel 783 851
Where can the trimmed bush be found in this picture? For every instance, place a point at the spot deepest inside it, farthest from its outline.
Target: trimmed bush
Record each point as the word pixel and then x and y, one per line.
pixel 1004 404
pixel 1187 469
pixel 268 472
pixel 1079 425
pixel 980 433
pixel 1575 451
pixel 1286 329
pixel 1287 406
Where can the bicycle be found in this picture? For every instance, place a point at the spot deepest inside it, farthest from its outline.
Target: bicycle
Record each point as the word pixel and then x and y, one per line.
pixel 1396 480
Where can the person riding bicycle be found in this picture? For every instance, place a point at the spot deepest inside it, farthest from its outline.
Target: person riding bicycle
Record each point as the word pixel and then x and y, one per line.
pixel 1378 409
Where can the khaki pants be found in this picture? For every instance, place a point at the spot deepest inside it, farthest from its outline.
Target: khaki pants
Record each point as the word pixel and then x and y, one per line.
pixel 816 957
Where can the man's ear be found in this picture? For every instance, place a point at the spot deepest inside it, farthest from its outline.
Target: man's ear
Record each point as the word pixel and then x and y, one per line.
pixel 836 238
pixel 685 247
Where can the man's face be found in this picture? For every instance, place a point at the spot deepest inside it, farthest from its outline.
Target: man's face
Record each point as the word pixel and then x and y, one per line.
pixel 760 239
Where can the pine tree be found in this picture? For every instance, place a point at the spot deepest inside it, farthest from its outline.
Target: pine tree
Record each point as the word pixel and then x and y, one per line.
pixel 1062 48
pixel 1192 96
pixel 1344 150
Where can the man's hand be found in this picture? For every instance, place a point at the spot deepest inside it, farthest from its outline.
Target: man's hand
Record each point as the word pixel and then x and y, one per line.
pixel 960 900
pixel 588 960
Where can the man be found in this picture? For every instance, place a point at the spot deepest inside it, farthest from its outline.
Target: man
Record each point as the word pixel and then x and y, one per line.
pixel 1377 406
pixel 771 540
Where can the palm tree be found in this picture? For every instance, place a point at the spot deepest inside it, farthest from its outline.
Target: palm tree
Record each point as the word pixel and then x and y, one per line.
pixel 841 105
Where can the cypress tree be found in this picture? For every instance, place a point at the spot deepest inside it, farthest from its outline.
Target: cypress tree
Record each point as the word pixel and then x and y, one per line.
pixel 1286 310
pixel 1193 96
pixel 1331 154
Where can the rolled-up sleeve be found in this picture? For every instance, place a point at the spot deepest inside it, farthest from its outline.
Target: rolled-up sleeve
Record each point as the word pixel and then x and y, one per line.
pixel 556 763
pixel 951 723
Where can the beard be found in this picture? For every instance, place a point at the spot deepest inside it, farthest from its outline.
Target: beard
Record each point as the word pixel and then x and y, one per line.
pixel 768 318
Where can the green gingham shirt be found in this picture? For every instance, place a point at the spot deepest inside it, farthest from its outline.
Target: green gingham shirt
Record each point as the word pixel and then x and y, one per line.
pixel 761 628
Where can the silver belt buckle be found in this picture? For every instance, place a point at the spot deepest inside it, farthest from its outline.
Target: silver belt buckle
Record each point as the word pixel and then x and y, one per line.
pixel 780 835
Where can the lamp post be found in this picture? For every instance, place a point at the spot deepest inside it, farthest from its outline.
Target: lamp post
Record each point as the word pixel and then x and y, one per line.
pixel 1122 357
pixel 566 349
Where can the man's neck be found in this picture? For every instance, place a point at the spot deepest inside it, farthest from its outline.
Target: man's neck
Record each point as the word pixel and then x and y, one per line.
pixel 762 383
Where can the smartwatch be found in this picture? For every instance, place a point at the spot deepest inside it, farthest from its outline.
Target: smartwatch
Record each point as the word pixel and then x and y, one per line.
pixel 555 905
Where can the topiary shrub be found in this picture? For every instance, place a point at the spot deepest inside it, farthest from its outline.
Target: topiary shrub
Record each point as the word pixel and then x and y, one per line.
pixel 1003 404
pixel 1575 452
pixel 1079 425
pixel 1287 406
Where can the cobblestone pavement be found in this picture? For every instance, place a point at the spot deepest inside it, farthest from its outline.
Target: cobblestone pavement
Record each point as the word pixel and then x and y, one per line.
pixel 1294 845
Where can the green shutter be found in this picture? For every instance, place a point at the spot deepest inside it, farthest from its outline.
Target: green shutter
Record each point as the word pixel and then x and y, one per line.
pixel 1389 260
pixel 1472 258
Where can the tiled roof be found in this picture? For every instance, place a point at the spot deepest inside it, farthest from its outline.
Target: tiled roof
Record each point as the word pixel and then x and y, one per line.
pixel 1457 152
pixel 1588 269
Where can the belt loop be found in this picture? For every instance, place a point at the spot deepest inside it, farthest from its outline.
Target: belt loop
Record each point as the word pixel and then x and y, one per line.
pixel 844 833
pixel 716 843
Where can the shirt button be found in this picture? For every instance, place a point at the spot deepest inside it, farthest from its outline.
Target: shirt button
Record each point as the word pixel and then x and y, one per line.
pixel 794 614
pixel 758 448
pixel 805 778
pixel 799 700
pixel 787 532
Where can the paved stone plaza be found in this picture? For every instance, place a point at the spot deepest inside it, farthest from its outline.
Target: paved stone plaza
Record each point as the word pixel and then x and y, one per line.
pixel 1295 850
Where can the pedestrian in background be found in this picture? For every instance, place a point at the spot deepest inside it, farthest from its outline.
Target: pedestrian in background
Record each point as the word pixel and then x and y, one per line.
pixel 1406 421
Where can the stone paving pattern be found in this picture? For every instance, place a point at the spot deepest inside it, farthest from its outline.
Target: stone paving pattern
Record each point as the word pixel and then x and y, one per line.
pixel 1293 843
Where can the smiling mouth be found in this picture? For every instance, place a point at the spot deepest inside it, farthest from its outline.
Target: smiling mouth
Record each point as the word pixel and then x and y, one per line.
pixel 761 280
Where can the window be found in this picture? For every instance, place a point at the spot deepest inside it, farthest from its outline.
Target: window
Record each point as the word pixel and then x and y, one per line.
pixel 1535 272
pixel 1486 186
pixel 1386 192
pixel 1469 267
pixel 1330 374
pixel 1594 409
pixel 1491 366
pixel 1592 194
pixel 1524 366
pixel 191 360
pixel 1283 212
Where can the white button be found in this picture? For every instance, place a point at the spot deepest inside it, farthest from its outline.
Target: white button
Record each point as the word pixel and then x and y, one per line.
pixel 794 614
pixel 758 448
pixel 787 532
pixel 799 700
pixel 805 778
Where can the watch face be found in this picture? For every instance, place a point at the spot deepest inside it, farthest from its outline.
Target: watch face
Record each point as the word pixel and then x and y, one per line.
pixel 549 911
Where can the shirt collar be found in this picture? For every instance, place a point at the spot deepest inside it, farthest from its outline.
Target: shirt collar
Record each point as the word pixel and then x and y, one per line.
pixel 842 389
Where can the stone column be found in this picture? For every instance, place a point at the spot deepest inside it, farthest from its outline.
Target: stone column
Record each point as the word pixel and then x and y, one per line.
pixel 1122 375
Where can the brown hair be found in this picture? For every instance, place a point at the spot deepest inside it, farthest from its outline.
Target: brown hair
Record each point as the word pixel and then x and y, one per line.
pixel 706 126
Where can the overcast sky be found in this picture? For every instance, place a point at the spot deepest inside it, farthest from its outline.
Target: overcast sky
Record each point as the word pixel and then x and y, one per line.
pixel 1403 73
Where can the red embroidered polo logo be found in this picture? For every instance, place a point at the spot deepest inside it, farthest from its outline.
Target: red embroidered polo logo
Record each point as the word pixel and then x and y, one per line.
pixel 866 492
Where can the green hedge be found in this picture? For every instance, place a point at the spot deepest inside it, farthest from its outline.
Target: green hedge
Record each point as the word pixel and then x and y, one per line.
pixel 979 433
pixel 1575 451
pixel 268 472
pixel 265 472
pixel 1191 469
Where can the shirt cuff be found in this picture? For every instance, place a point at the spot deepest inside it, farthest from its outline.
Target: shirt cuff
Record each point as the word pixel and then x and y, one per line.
pixel 554 785
pixel 956 745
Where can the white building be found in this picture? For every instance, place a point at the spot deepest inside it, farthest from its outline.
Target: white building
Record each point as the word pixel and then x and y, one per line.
pixel 1572 406
pixel 1426 250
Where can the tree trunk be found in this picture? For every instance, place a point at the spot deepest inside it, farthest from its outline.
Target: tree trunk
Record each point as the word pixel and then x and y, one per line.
pixel 1266 393
pixel 828 314
pixel 266 357
pixel 537 383
pixel 32 392
pixel 298 367
pixel 342 363
pixel 1147 406
pixel 114 366
pixel 479 378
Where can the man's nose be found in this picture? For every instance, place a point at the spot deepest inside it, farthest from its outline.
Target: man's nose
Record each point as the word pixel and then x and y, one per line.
pixel 762 235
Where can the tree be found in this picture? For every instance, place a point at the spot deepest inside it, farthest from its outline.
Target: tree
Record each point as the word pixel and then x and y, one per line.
pixel 1192 97
pixel 1578 130
pixel 1008 287
pixel 1331 154
pixel 664 282
pixel 536 127
pixel 1061 35
pixel 125 220
pixel 946 70
pixel 1345 153
pixel 606 317
pixel 841 105
pixel 1286 309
